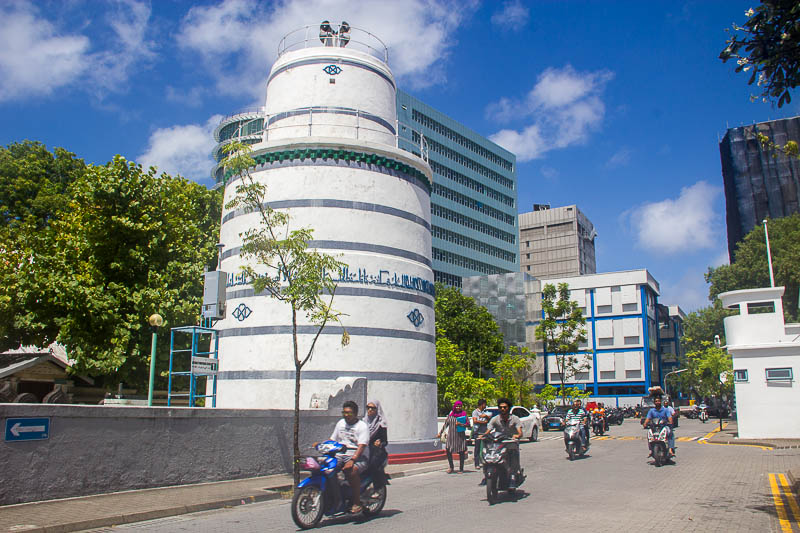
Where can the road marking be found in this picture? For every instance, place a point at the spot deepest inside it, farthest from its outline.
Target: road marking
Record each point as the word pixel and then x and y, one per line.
pixel 786 526
pixel 787 491
pixel 711 434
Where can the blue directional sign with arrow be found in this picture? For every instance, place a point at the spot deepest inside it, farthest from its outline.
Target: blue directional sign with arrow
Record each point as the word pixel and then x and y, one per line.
pixel 18 429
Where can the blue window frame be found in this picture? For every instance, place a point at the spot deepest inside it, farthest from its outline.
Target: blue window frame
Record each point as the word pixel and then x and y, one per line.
pixel 740 376
pixel 779 374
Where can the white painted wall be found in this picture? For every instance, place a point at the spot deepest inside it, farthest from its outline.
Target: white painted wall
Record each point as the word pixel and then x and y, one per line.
pixel 756 342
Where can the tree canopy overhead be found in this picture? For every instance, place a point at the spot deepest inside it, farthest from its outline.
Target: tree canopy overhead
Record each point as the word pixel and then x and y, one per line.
pixel 768 45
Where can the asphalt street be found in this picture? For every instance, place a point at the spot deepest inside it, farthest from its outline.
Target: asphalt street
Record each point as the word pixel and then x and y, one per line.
pixel 709 488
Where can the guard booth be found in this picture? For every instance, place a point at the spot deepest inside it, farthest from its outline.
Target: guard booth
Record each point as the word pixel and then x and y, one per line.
pixel 193 354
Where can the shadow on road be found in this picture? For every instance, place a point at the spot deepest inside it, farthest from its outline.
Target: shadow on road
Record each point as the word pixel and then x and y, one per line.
pixel 360 520
pixel 511 497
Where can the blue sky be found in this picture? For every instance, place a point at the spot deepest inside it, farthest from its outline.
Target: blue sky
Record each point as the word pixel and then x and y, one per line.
pixel 617 106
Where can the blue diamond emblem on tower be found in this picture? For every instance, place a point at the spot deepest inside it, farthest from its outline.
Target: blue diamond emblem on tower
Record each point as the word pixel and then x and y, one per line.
pixel 416 317
pixel 242 312
pixel 333 70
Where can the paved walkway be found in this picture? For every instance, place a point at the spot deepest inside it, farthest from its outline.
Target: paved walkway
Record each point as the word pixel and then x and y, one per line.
pixel 86 512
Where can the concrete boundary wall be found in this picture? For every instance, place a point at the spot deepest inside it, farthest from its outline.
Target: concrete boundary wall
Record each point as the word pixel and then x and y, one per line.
pixel 100 449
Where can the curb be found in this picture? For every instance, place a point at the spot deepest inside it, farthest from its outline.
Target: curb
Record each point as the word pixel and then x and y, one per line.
pixel 794 482
pixel 108 521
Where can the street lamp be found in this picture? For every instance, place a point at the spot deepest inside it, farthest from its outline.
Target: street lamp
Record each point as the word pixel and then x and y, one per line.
pixel 155 321
pixel 673 372
pixel 769 256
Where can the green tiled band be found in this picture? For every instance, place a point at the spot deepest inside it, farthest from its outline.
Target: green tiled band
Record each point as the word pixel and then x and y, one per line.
pixel 343 155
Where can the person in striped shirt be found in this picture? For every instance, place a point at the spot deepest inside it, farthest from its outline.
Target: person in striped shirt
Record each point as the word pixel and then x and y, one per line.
pixel 579 413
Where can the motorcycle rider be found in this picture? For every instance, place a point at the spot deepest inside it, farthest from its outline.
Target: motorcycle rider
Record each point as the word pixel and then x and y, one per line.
pixel 510 426
pixel 600 411
pixel 659 411
pixel 354 433
pixel 578 413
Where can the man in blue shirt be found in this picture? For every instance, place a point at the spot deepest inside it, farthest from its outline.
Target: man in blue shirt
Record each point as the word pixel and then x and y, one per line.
pixel 661 412
pixel 579 414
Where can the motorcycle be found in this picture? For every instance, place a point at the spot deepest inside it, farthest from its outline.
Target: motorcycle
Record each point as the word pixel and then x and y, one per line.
pixel 658 440
pixel 572 439
pixel 496 467
pixel 598 425
pixel 326 492
pixel 614 416
pixel 703 416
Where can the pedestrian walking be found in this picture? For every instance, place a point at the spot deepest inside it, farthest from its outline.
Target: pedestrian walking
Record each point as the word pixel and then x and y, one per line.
pixel 456 441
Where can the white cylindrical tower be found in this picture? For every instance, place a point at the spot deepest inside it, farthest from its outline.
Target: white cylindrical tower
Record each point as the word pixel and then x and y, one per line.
pixel 329 158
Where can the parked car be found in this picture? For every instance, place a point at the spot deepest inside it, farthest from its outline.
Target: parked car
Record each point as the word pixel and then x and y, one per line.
pixel 531 420
pixel 556 418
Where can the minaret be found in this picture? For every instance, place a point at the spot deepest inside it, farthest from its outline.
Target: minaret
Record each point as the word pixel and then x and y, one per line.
pixel 329 156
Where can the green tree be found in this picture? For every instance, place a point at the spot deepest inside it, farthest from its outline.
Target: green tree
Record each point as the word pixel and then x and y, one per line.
pixel 562 331
pixel 282 266
pixel 750 269
pixel 547 395
pixel 513 373
pixel 713 369
pixel 703 325
pixel 769 45
pixel 454 382
pixel 470 326
pixel 126 244
pixel 34 183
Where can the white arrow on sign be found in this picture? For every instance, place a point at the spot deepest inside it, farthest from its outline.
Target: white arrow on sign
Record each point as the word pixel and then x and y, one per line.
pixel 18 428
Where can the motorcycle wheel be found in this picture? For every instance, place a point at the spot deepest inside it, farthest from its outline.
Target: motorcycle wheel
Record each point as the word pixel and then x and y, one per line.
pixel 659 455
pixel 491 487
pixel 307 507
pixel 572 450
pixel 534 434
pixel 375 505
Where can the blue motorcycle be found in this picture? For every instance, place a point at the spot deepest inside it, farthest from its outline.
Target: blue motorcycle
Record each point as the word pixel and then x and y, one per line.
pixel 326 492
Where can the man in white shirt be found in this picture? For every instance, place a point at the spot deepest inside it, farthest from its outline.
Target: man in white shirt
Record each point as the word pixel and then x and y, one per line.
pixel 354 434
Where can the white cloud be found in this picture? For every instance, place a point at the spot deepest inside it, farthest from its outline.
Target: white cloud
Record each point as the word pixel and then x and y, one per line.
pixel 513 15
pixel 564 105
pixel 238 39
pixel 37 58
pixel 685 224
pixel 620 158
pixel 34 58
pixel 184 150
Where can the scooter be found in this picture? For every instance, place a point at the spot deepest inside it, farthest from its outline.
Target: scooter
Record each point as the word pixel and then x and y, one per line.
pixel 703 416
pixel 598 425
pixel 572 439
pixel 496 467
pixel 326 491
pixel 658 440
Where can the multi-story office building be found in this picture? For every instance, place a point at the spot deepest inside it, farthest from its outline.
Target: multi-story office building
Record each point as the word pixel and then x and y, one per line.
pixel 759 182
pixel 670 331
pixel 474 199
pixel 474 196
pixel 556 242
pixel 627 331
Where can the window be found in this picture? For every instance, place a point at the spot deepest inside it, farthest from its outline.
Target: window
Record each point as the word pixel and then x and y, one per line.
pixel 740 376
pixel 779 374
pixel 520 412
pixel 757 308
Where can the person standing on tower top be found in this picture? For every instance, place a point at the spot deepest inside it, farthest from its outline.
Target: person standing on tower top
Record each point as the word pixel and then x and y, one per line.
pixel 326 33
pixel 344 34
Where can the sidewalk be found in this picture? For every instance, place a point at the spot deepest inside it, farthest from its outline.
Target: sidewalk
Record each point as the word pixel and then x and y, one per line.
pixel 730 432
pixel 87 512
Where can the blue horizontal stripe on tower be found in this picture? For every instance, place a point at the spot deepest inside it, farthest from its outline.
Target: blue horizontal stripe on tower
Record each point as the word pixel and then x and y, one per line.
pixel 326 374
pixel 340 204
pixel 351 246
pixel 348 291
pixel 329 330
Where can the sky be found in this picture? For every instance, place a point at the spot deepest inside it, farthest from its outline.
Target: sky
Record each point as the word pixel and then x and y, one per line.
pixel 616 106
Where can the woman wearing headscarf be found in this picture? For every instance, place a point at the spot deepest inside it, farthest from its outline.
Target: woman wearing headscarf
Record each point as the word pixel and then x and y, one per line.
pixel 376 420
pixel 456 442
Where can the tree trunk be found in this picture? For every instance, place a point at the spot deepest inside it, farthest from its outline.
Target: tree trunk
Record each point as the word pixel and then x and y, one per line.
pixel 297 368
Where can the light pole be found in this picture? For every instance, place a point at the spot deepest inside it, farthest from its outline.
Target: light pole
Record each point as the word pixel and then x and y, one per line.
pixel 155 321
pixel 670 373
pixel 769 255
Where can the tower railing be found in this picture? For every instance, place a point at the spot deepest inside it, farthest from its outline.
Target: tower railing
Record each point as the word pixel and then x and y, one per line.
pixel 311 36
pixel 333 121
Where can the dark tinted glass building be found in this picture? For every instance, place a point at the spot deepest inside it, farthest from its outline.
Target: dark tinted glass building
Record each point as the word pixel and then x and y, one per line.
pixel 759 183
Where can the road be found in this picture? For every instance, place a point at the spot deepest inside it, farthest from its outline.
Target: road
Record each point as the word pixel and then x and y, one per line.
pixel 615 487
